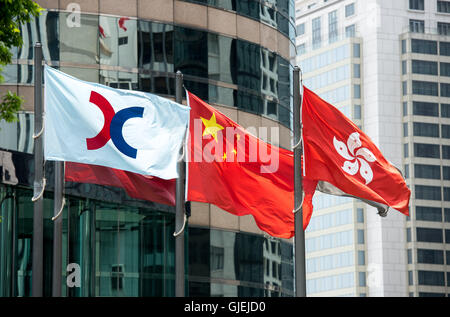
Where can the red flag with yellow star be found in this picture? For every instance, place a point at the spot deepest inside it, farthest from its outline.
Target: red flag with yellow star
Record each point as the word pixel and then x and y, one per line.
pixel 237 172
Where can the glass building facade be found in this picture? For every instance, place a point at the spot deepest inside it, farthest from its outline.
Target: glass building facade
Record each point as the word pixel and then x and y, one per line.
pixel 389 73
pixel 425 134
pixel 124 246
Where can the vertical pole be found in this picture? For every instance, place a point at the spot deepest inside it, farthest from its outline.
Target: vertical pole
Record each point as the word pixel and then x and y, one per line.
pixel 179 207
pixel 38 230
pixel 299 241
pixel 57 229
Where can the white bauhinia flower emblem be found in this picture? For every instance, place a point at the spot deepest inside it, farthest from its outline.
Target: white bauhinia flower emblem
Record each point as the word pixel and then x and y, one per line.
pixel 362 156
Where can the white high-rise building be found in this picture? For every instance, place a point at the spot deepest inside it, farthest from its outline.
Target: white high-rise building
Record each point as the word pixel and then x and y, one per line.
pixel 386 65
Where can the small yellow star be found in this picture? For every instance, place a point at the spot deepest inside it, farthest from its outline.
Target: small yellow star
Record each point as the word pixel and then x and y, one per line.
pixel 234 151
pixel 224 156
pixel 211 126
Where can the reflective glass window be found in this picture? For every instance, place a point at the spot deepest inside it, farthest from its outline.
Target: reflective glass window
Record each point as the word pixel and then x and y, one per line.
pixel 316 32
pixel 429 235
pixel 427 171
pixel 424 46
pixel 425 88
pixel 284 73
pixel 446 152
pixel 430 109
pixel 446 172
pixel 87 74
pixel 444 48
pixel 155 46
pixel 9 74
pixel 416 4
pixel 118 41
pixel 417 26
pixel 332 26
pixel 221 58
pixel 443 6
pixel 349 10
pixel 445 128
pixel 79 40
pixel 248 101
pixel 224 4
pixel 221 95
pixel 424 67
pixel 249 8
pixel 350 31
pixel 301 29
pixel 428 192
pixel 443 28
pixel 445 69
pixel 428 213
pixel 248 68
pixel 120 80
pixel 430 256
pixel 43 29
pixel 191 51
pixel 431 278
pixel 445 90
pixel 445 110
pixel 426 129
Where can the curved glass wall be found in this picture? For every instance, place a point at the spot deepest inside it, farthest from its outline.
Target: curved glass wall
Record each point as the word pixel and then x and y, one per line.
pixel 237 264
pixel 128 250
pixel 119 249
pixel 276 13
pixel 135 54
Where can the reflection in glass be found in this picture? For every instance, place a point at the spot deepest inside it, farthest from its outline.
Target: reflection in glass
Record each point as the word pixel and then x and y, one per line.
pixel 43 29
pixel 120 80
pixel 268 15
pixel 248 8
pixel 79 43
pixel 155 46
pixel 248 102
pixel 221 95
pixel 9 73
pixel 248 65
pixel 246 264
pixel 87 74
pixel 25 74
pixel 17 136
pixel 133 252
pixel 269 73
pixel 221 58
pixel 224 4
pixel 157 84
pixel 118 41
pixel 191 52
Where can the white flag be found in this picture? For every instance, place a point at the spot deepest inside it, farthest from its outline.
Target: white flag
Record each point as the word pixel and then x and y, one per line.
pixel 128 130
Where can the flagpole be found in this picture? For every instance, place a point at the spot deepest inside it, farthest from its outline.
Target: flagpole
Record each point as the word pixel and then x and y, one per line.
pixel 179 206
pixel 58 206
pixel 299 240
pixel 39 180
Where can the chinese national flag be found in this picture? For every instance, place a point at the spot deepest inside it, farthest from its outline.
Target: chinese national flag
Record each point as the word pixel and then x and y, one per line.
pixel 340 159
pixel 227 167
pixel 136 185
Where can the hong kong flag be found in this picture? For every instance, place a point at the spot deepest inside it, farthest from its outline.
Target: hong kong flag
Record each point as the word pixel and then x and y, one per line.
pixel 340 159
pixel 239 173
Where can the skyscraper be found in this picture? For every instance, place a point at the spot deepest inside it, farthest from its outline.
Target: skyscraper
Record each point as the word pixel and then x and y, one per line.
pixel 235 55
pixel 384 65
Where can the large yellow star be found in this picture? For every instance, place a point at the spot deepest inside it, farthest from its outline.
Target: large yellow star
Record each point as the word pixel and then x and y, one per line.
pixel 211 126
